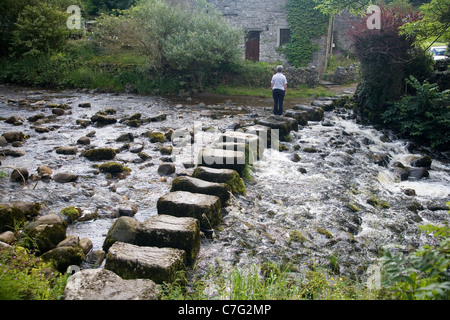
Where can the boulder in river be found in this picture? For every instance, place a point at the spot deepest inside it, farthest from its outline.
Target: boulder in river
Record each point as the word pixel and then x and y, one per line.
pixel 12 212
pixel 100 154
pixel 283 126
pixel 65 177
pixel 63 257
pixel 66 150
pixel 102 284
pixel 424 162
pixel 165 231
pixel 84 141
pixel 123 229
pixel 101 119
pixel 314 113
pixel 166 169
pixel 114 168
pixel 134 262
pixel 19 175
pixel 46 232
pixel 227 176
pixel 300 115
pixel 195 185
pixel 13 136
pixel 207 209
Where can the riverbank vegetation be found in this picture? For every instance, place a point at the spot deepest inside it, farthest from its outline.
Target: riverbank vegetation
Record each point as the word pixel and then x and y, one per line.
pixel 419 275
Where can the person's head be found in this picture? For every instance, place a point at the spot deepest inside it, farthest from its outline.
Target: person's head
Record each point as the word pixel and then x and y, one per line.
pixel 280 68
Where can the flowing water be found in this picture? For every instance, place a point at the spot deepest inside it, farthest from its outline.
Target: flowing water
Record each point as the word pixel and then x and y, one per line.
pixel 296 212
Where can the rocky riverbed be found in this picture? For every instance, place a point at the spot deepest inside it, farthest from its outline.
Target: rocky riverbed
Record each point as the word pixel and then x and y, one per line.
pixel 336 192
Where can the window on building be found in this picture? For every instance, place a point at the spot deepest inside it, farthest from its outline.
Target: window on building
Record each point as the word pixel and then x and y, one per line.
pixel 285 36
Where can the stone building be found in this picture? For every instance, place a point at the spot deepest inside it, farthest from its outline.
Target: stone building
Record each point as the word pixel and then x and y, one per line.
pixel 265 27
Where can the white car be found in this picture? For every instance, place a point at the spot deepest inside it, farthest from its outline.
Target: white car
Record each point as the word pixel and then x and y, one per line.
pixel 439 53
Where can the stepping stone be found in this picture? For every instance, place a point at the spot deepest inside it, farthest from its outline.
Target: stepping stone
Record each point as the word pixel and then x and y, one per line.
pixel 314 113
pixel 134 262
pixel 282 124
pixel 207 209
pixel 300 116
pixel 164 231
pixel 263 132
pixel 102 284
pixel 326 105
pixel 252 141
pixel 195 185
pixel 222 159
pixel 227 176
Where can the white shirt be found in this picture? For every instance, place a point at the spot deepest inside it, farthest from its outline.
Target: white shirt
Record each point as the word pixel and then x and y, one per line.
pixel 279 80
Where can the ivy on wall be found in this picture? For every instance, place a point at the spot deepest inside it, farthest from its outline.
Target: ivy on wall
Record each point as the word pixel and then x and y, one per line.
pixel 305 23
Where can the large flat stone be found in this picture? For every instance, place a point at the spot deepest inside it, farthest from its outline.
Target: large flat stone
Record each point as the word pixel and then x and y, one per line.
pixel 102 284
pixel 227 176
pixel 207 209
pixel 195 185
pixel 222 159
pixel 164 231
pixel 252 141
pixel 315 113
pixel 134 262
pixel 280 126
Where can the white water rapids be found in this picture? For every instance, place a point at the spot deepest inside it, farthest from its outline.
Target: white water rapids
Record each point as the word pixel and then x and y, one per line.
pixel 323 197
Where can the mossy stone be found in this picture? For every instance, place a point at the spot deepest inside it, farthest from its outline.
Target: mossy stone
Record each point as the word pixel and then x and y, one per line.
pixel 113 168
pixel 227 176
pixel 123 229
pixel 100 154
pixel 71 213
pixel 63 257
pixel 46 232
pixel 157 137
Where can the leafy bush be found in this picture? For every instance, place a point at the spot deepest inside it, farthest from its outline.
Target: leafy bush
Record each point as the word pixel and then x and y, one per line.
pixel 424 116
pixel 387 58
pixel 185 41
pixel 422 274
pixel 23 276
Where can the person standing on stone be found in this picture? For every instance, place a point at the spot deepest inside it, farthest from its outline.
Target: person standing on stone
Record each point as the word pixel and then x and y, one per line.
pixel 279 87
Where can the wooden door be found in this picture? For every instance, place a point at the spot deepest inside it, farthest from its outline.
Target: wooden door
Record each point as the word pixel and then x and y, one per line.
pixel 252 46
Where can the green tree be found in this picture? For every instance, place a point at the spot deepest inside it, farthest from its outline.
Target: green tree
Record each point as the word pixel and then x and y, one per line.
pixel 435 22
pixel 186 38
pixel 39 29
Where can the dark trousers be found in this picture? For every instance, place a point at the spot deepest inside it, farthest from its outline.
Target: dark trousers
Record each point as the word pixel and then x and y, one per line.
pixel 278 98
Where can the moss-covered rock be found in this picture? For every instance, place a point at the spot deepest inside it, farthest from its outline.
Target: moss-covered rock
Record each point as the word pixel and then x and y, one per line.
pixel 114 168
pixel 100 154
pixel 135 262
pixel 123 229
pixel 227 176
pixel 195 185
pixel 206 208
pixel 63 257
pixel 46 232
pixel 157 137
pixel 296 236
pixel 71 214
pixel 165 231
pixel 15 212
pixel 325 232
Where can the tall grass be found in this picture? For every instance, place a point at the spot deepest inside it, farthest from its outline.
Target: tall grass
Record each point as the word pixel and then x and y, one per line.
pixel 270 282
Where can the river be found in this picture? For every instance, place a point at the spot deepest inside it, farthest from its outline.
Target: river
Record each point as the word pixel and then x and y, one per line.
pixel 315 210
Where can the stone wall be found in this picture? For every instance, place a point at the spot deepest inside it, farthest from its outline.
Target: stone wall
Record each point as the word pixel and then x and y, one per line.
pixel 268 18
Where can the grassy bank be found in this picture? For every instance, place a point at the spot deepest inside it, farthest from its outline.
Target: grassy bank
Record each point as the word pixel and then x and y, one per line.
pixel 302 91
